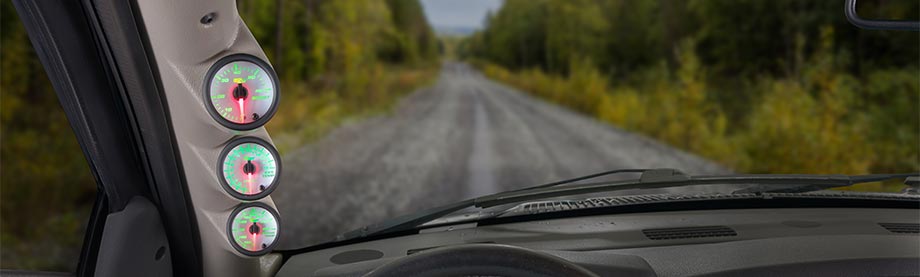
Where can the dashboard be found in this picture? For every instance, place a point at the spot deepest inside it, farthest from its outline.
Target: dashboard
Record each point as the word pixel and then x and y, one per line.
pixel 731 242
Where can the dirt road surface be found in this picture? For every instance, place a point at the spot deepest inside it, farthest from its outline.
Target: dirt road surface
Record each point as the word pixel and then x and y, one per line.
pixel 462 137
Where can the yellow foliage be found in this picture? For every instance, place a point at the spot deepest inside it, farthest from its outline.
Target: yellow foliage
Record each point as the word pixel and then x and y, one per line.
pixel 675 112
pixel 310 109
pixel 810 124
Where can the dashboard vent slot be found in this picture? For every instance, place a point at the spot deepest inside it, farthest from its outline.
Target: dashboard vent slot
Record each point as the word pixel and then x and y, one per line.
pixel 689 232
pixel 538 207
pixel 600 202
pixel 902 228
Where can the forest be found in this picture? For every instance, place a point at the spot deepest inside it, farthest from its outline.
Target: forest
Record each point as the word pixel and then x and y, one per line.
pixel 782 86
pixel 337 60
pixel 760 86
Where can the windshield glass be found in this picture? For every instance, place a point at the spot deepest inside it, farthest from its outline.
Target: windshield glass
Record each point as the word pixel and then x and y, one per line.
pixel 395 106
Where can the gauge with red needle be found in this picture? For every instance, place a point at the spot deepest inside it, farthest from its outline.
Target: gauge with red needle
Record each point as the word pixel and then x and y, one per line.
pixel 241 92
pixel 249 168
pixel 253 228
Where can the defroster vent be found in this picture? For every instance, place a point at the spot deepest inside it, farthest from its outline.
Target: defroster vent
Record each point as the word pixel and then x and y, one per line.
pixel 689 232
pixel 902 228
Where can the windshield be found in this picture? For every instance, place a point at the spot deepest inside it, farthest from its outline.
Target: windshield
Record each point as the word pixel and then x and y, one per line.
pixel 393 107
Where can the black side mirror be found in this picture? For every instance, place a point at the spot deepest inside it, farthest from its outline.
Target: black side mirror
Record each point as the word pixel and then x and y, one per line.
pixel 854 19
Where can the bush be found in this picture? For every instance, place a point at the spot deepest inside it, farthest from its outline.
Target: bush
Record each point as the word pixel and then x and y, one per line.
pixel 825 121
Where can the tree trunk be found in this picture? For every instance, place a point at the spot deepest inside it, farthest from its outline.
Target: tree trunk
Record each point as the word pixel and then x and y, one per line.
pixel 670 34
pixel 308 15
pixel 279 12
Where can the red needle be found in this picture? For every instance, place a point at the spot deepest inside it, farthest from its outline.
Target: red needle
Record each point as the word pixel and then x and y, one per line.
pixel 250 182
pixel 242 114
pixel 253 239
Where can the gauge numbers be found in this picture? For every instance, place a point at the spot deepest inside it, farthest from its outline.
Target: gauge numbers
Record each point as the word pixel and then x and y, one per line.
pixel 249 168
pixel 253 228
pixel 242 92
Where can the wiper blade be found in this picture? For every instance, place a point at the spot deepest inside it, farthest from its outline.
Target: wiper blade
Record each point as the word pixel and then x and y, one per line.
pixel 848 181
pixel 406 222
pixel 601 174
pixel 650 179
pixel 409 222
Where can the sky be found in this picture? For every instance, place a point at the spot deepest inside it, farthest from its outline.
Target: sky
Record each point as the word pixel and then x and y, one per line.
pixel 459 13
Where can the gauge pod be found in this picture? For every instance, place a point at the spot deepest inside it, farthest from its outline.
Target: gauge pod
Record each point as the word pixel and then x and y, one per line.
pixel 249 168
pixel 253 228
pixel 241 92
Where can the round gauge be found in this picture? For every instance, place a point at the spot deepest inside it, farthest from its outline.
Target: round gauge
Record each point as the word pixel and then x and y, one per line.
pixel 249 168
pixel 241 92
pixel 253 228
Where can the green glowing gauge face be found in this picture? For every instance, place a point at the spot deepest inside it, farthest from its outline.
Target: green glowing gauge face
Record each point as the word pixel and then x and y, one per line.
pixel 242 92
pixel 253 229
pixel 249 168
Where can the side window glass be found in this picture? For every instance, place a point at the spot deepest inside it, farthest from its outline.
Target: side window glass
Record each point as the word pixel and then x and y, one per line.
pixel 46 187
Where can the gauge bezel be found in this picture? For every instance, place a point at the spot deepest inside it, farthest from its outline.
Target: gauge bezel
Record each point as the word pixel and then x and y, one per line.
pixel 206 92
pixel 223 180
pixel 240 208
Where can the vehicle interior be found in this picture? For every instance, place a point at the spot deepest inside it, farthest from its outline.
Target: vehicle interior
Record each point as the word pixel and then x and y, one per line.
pixel 169 101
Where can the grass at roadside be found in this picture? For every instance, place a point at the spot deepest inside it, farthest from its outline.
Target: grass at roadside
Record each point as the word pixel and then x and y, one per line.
pixel 824 121
pixel 311 109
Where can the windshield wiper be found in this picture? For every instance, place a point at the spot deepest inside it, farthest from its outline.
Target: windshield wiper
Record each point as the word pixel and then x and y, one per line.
pixel 650 179
pixel 411 221
pixel 909 179
pixel 765 182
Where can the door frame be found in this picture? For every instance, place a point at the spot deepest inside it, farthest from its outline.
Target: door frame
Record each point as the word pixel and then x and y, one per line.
pixel 98 59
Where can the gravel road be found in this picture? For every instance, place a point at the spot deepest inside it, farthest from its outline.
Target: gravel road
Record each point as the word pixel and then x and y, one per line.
pixel 462 137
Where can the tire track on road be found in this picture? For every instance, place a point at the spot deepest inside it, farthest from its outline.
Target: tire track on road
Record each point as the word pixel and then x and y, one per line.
pixel 481 178
pixel 462 137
